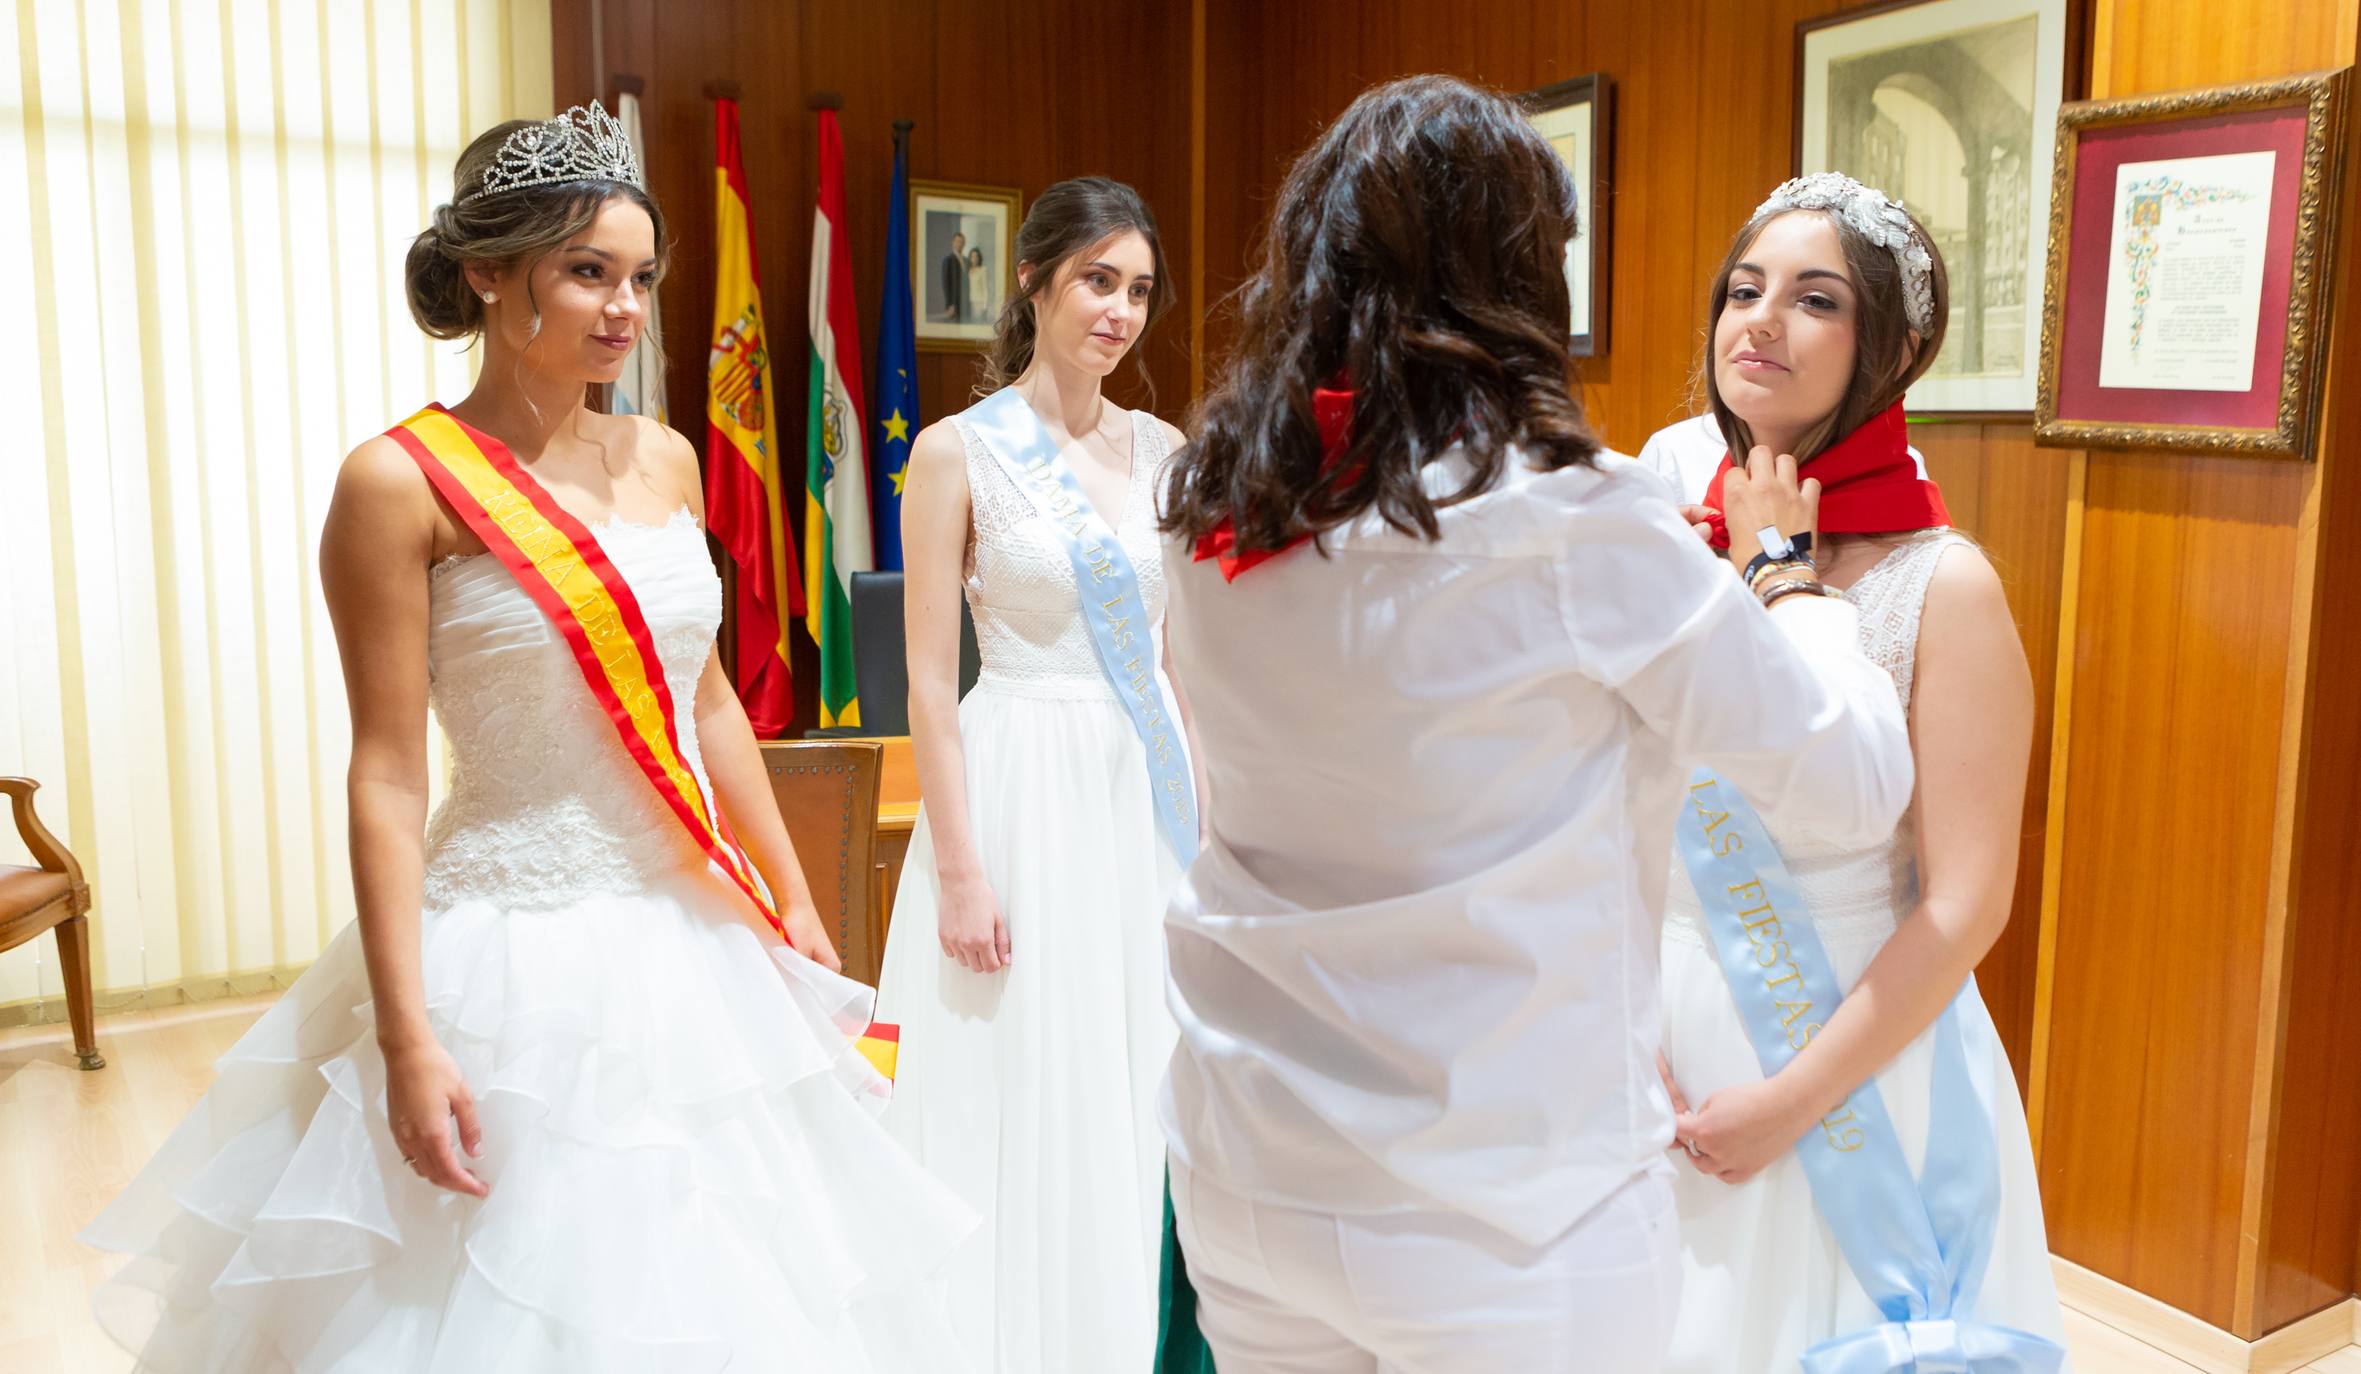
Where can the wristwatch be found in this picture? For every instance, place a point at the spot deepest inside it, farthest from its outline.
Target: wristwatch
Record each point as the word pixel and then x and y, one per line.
pixel 1779 548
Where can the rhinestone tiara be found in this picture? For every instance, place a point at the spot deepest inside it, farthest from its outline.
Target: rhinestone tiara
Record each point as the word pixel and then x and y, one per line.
pixel 1879 219
pixel 583 144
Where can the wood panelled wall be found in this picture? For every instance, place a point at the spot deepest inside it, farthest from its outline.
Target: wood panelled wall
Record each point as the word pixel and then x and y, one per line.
pixel 2202 1095
pixel 1002 92
pixel 2180 989
pixel 1689 75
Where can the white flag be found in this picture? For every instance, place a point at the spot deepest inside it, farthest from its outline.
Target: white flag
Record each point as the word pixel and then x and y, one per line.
pixel 640 390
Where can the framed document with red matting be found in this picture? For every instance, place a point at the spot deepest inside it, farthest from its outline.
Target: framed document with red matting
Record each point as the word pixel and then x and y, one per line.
pixel 2191 255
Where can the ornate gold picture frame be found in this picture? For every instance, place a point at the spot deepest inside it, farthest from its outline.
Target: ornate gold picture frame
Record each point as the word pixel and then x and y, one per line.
pixel 2191 260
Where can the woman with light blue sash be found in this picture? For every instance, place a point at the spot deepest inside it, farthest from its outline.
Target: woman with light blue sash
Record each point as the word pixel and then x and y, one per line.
pixel 1025 962
pixel 1859 1194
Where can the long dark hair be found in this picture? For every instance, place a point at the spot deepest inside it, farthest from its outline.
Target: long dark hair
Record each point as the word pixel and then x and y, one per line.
pixel 1417 250
pixel 1064 220
pixel 1883 365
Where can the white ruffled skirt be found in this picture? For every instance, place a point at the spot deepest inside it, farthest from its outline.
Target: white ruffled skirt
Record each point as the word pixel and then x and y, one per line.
pixel 683 1173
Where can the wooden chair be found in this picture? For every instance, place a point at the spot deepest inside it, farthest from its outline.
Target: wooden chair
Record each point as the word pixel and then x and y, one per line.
pixel 827 793
pixel 52 896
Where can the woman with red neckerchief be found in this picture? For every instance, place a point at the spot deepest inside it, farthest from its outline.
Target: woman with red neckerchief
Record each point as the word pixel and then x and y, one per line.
pixel 1830 303
pixel 1444 659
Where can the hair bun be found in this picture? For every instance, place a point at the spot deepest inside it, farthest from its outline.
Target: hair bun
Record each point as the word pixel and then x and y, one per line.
pixel 434 280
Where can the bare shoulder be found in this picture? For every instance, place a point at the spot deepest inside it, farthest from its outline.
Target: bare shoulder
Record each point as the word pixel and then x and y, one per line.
pixel 381 486
pixel 671 459
pixel 1965 627
pixel 1966 586
pixel 383 512
pixel 938 458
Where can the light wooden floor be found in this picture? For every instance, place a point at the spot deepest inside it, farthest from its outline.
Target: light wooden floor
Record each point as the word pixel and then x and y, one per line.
pixel 69 1140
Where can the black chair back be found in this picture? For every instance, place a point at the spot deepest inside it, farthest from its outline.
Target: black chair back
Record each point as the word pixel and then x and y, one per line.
pixel 880 664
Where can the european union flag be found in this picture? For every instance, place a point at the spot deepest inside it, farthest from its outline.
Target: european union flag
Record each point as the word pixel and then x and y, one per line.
pixel 896 402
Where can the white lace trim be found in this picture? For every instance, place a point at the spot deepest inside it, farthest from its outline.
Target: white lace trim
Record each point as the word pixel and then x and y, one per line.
pixel 1891 597
pixel 546 809
pixel 1020 586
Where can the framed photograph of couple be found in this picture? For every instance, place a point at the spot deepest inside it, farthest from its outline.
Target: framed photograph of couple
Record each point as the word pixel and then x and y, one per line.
pixel 2191 258
pixel 1578 119
pixel 962 261
pixel 1950 106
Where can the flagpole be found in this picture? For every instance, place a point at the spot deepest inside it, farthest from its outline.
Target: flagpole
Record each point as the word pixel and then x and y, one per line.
pixel 894 413
pixel 713 91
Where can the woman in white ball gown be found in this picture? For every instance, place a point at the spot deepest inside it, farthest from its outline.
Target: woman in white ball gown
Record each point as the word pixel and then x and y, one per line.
pixel 563 1099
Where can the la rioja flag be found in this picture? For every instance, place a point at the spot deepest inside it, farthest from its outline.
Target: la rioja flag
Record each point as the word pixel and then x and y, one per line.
pixel 836 474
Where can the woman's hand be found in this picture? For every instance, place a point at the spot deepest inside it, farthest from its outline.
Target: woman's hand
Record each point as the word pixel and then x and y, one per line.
pixel 424 1095
pixel 1744 1128
pixel 808 935
pixel 1767 492
pixel 971 927
pixel 1700 520
pixel 1680 1106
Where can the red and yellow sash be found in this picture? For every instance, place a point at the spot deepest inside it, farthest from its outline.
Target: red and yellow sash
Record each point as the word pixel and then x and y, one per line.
pixel 553 557
pixel 881 1045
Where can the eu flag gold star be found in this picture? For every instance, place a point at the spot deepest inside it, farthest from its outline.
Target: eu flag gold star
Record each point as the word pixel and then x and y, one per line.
pixel 897 428
pixel 899 473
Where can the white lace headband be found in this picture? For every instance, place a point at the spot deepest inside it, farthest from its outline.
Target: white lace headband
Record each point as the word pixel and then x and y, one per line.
pixel 583 144
pixel 1880 220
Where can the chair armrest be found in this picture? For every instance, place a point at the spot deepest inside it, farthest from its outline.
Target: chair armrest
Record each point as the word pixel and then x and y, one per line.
pixel 46 851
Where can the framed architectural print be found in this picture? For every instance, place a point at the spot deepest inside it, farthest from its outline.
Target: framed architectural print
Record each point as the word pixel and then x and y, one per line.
pixel 2190 263
pixel 1578 119
pixel 1950 106
pixel 962 261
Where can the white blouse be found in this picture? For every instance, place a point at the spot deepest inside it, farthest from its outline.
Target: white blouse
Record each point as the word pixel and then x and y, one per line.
pixel 1415 965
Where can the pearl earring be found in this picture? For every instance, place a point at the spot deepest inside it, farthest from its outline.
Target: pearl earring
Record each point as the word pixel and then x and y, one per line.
pixel 489 298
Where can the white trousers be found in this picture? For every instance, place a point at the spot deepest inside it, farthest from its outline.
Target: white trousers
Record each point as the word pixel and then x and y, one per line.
pixel 1282 1291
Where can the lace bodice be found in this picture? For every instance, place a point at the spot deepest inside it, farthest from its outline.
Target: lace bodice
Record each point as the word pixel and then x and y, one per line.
pixel 1855 894
pixel 1030 633
pixel 546 808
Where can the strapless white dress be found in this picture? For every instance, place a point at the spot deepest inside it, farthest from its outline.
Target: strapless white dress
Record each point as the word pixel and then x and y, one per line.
pixel 687 1171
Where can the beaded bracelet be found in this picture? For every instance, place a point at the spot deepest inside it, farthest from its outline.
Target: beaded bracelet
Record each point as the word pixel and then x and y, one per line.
pixel 1756 574
pixel 1802 586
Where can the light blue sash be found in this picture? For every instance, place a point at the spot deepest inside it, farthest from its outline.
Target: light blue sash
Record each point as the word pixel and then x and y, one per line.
pixel 1120 627
pixel 1918 1246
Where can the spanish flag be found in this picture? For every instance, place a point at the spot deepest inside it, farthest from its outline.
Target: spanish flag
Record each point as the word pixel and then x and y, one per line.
pixel 745 488
pixel 836 470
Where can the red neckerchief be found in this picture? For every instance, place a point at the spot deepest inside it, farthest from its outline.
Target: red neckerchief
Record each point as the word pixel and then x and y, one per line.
pixel 1868 484
pixel 1332 410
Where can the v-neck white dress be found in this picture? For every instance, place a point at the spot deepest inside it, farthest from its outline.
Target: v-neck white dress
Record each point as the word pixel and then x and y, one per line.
pixel 1032 1090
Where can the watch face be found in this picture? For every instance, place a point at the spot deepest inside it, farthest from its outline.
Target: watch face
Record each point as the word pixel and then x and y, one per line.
pixel 1774 543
